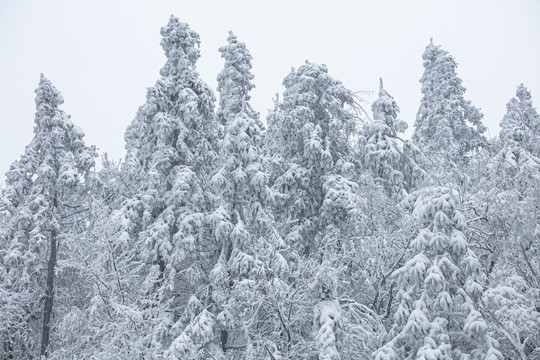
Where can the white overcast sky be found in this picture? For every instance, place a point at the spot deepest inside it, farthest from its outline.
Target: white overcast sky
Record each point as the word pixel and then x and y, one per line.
pixel 102 55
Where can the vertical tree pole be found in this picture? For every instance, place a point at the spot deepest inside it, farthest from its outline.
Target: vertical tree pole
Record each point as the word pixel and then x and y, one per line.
pixel 49 296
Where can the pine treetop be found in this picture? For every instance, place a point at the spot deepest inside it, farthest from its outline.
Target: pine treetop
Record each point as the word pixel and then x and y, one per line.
pixel 180 44
pixel 445 119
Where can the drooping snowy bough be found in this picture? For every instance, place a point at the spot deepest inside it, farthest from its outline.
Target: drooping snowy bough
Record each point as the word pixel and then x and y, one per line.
pixel 439 287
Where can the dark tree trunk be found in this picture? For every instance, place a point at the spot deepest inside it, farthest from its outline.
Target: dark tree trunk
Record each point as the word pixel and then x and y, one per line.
pixel 48 298
pixel 8 348
pixel 224 338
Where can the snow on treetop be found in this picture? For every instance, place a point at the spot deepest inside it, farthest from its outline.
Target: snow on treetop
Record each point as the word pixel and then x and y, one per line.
pixel 179 43
pixel 47 93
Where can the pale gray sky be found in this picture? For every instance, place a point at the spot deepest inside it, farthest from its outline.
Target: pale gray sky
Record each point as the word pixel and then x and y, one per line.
pixel 102 54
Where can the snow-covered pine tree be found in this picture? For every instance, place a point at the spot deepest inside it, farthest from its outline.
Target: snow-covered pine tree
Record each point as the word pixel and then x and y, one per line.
pixel 235 82
pixel 507 199
pixel 521 123
pixel 244 219
pixel 384 157
pixel 448 128
pixel 171 146
pixel 515 168
pixel 438 288
pixel 310 138
pixel 390 173
pixel 44 193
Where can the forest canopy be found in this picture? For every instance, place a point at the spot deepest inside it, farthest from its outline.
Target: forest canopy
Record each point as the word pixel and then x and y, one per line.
pixel 319 232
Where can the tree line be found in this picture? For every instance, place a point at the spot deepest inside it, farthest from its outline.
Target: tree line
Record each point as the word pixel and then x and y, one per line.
pixel 319 233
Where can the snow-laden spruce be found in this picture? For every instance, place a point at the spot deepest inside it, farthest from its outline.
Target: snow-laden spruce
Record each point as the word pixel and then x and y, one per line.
pixel 448 128
pixel 243 221
pixel 318 204
pixel 235 82
pixel 44 194
pixel 516 166
pixel 384 157
pixel 171 147
pixel 439 288
pixel 203 246
pixel 508 199
pixel 310 139
pixel 521 123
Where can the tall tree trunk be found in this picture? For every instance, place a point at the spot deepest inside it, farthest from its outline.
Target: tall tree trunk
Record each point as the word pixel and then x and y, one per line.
pixel 8 348
pixel 49 294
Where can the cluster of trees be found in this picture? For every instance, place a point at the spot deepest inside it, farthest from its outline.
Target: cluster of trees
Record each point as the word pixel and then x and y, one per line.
pixel 321 234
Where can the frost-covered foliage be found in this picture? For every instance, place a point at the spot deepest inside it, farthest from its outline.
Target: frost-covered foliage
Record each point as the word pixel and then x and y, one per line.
pixel 384 157
pixel 198 332
pixel 508 199
pixel 106 324
pixel 438 288
pixel 318 203
pixel 327 315
pixel 522 122
pixel 310 139
pixel 44 194
pixel 515 168
pixel 217 240
pixel 518 160
pixel 448 128
pixel 243 220
pixel 235 81
pixel 176 124
pixel 164 225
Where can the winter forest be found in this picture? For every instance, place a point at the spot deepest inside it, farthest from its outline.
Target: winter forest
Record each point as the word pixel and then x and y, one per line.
pixel 320 232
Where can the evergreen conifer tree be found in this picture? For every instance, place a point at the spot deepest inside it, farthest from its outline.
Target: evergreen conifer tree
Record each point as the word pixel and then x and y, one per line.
pixel 241 183
pixel 438 287
pixel 384 158
pixel 521 123
pixel 448 128
pixel 44 191
pixel 171 148
pixel 235 81
pixel 310 137
pixel 508 196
